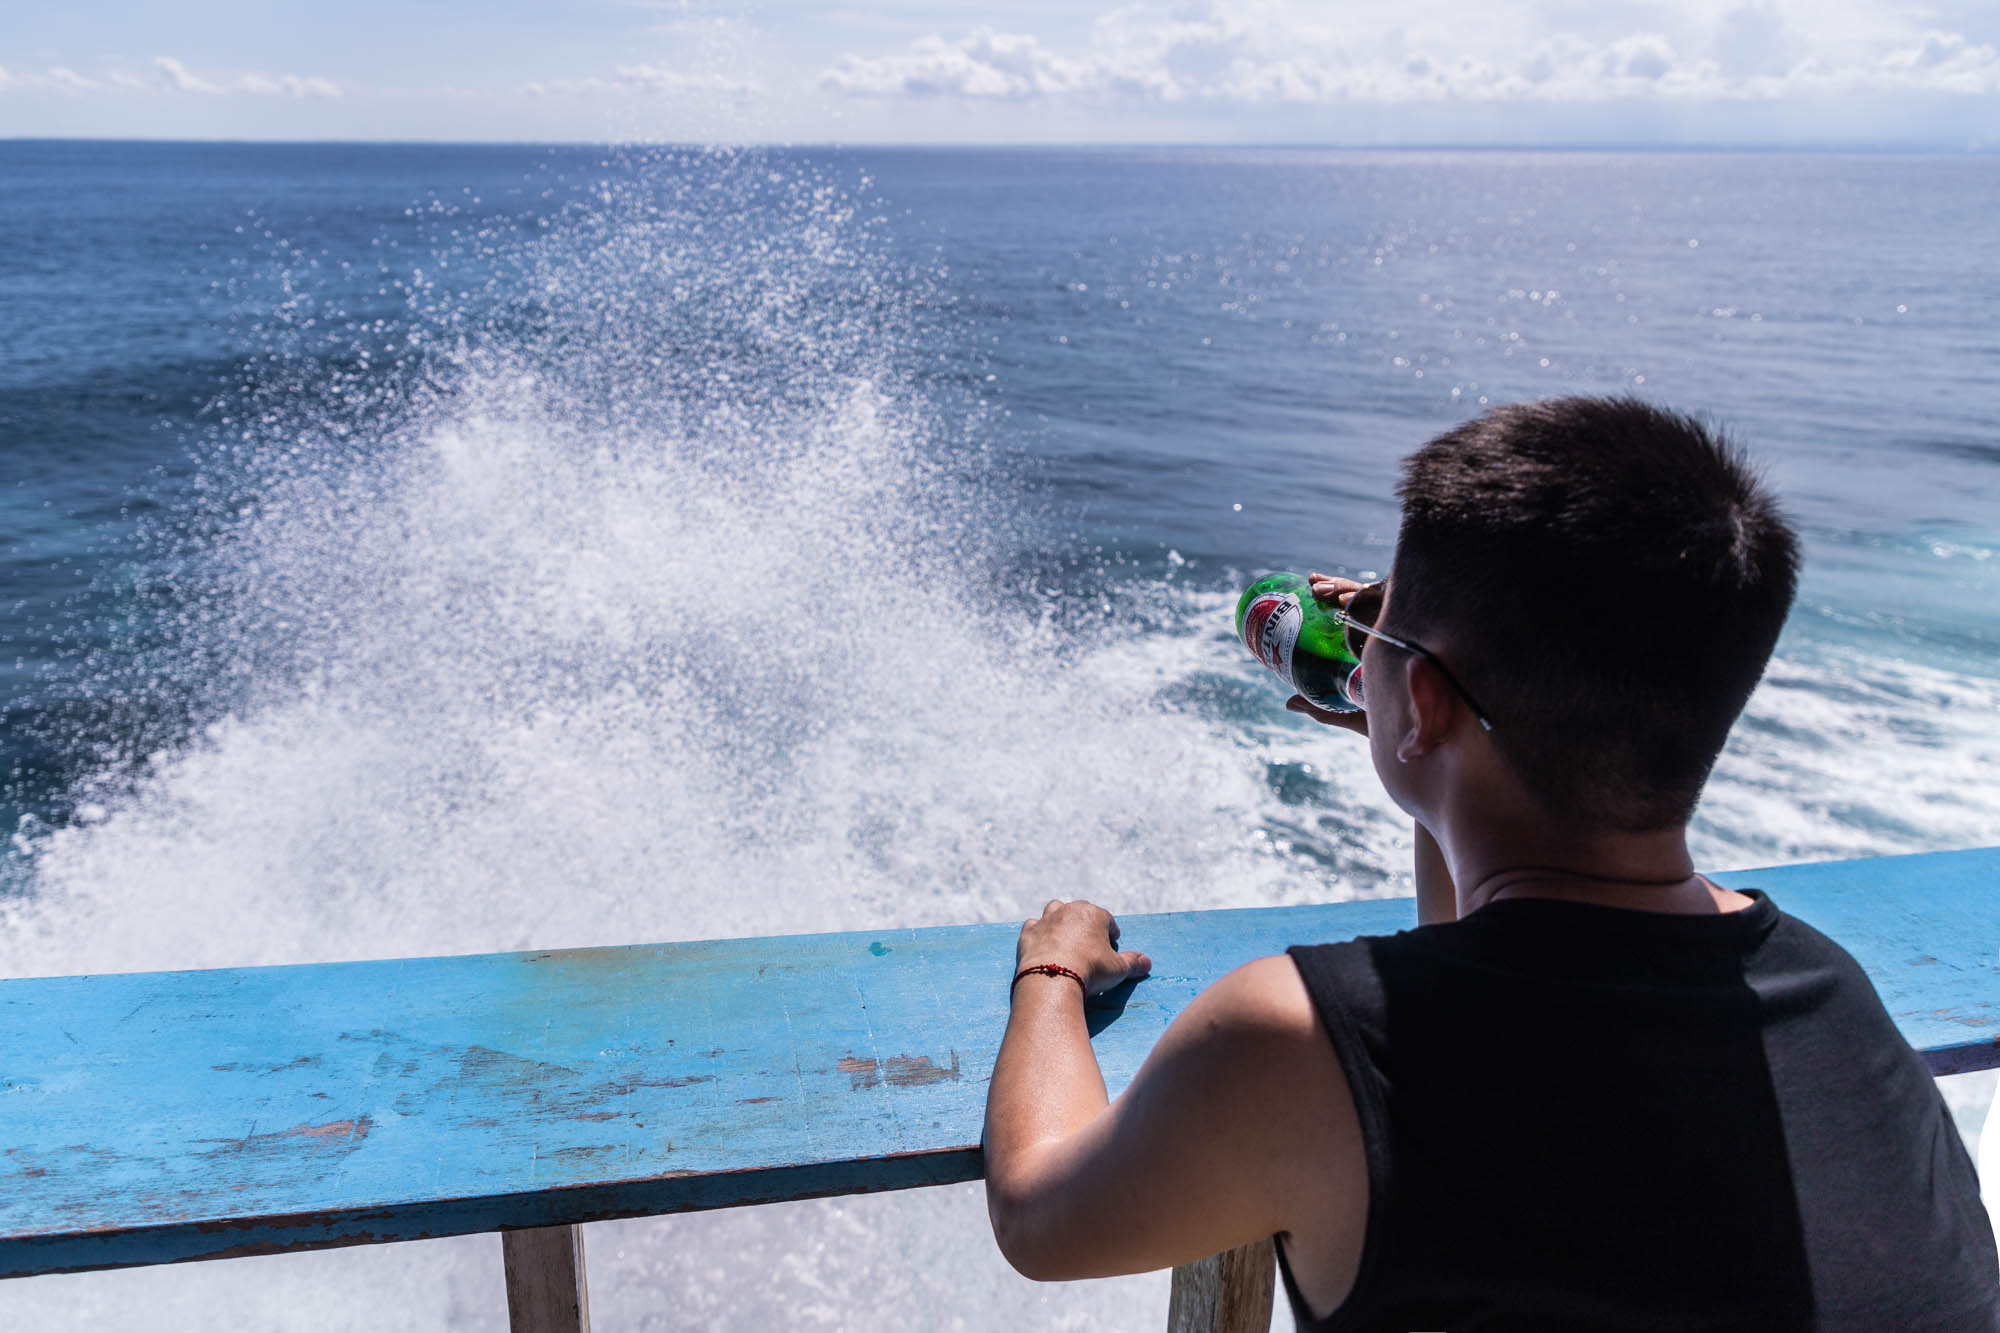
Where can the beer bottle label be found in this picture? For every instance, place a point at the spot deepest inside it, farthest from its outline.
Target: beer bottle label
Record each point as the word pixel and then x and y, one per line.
pixel 1271 631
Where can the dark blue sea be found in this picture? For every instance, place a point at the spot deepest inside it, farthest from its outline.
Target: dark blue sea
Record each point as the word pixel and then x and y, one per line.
pixel 411 549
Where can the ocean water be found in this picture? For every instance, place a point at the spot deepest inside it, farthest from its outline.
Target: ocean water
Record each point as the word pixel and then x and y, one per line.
pixel 426 549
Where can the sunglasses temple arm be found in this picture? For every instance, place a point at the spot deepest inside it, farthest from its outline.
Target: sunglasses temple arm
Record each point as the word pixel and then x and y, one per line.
pixel 1428 656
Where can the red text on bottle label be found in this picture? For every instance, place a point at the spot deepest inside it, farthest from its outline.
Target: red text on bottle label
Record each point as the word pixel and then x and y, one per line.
pixel 1271 630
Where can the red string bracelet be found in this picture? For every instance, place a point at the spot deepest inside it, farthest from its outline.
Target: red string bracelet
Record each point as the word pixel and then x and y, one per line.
pixel 1048 970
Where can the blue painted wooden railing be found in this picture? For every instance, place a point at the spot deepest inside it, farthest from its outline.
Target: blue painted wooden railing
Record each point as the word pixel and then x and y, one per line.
pixel 158 1117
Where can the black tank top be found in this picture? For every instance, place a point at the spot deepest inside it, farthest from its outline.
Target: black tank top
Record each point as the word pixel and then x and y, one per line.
pixel 1581 1117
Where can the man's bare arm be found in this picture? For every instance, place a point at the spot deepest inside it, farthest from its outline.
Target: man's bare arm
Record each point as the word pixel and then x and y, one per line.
pixel 1239 1126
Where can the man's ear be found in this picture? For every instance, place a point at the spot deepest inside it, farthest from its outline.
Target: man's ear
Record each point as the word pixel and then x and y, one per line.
pixel 1431 702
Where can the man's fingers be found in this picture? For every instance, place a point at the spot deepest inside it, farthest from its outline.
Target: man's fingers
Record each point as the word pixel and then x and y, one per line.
pixel 1051 905
pixel 1298 704
pixel 1329 587
pixel 1136 963
pixel 1355 722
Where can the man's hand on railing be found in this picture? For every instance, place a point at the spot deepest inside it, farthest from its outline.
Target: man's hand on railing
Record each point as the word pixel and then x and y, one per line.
pixel 1081 938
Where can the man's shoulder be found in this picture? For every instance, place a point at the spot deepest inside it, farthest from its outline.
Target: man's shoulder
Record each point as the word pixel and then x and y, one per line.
pixel 1265 996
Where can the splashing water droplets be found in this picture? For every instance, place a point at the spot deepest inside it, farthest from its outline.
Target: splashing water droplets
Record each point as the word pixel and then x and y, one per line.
pixel 634 594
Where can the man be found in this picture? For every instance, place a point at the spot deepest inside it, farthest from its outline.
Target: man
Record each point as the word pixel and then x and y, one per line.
pixel 1593 1090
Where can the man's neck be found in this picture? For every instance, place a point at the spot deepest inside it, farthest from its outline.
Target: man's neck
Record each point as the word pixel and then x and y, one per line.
pixel 1525 857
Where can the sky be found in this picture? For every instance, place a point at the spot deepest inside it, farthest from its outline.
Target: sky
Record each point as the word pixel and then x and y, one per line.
pixel 1360 72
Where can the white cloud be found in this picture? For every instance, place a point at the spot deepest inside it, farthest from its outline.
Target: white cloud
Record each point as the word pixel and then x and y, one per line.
pixel 1753 39
pixel 309 86
pixel 60 78
pixel 985 64
pixel 177 76
pixel 540 89
pixel 180 78
pixel 648 79
pixel 654 79
pixel 1946 61
pixel 56 78
pixel 1644 55
pixel 1395 51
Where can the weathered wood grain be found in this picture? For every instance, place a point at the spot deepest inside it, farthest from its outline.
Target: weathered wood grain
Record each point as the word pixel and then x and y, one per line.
pixel 159 1117
pixel 1229 1292
pixel 546 1289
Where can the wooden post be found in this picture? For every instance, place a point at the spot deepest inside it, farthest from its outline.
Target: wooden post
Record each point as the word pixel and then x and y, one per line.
pixel 1229 1292
pixel 546 1292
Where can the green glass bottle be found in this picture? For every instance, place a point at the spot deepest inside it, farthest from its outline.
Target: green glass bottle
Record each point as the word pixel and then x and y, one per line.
pixel 1301 640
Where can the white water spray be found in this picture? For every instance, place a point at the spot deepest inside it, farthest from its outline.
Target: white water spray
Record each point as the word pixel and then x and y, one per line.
pixel 664 621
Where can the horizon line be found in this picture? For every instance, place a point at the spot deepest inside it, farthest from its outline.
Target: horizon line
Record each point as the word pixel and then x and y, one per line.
pixel 1939 147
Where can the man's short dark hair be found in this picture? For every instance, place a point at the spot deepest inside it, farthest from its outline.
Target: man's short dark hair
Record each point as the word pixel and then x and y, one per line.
pixel 1607 578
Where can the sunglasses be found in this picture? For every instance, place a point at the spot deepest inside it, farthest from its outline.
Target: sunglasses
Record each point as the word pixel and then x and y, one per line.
pixel 1360 615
